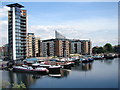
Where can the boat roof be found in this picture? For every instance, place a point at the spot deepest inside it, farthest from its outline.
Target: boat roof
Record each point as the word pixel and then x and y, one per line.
pixel 53 60
pixel 31 59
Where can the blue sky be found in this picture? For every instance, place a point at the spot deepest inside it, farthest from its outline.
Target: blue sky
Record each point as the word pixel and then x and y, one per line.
pixel 58 13
pixel 97 21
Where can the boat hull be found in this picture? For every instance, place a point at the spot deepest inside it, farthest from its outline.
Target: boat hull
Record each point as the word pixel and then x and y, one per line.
pixel 67 66
pixel 72 65
pixel 86 61
pixel 98 58
pixel 54 70
pixel 109 57
pixel 76 61
pixel 30 71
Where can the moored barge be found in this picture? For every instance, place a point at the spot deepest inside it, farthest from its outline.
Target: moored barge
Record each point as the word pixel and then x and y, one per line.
pixel 29 69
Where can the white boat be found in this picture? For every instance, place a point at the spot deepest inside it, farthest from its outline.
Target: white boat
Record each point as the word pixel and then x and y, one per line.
pixel 53 69
pixel 54 66
pixel 25 68
pixel 55 75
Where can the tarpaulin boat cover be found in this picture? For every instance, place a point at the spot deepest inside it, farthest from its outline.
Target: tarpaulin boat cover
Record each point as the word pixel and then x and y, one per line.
pixel 31 59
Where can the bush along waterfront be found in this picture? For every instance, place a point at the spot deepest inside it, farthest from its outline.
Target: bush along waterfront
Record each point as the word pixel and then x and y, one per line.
pixel 107 48
pixel 20 86
pixel 14 85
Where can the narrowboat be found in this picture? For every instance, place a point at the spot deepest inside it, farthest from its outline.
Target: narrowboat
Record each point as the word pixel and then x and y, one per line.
pixel 29 69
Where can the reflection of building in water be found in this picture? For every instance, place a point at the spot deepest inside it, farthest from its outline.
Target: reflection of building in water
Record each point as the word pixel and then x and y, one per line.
pixel 63 73
pixel 83 67
pixel 87 66
pixel 36 76
pixel 108 62
pixel 21 77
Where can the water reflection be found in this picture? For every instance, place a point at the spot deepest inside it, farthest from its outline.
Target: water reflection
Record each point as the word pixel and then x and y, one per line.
pixel 27 79
pixel 83 67
pixel 68 75
pixel 65 73
pixel 108 62
pixel 36 76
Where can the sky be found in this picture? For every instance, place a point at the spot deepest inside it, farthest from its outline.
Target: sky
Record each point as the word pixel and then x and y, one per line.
pixel 96 21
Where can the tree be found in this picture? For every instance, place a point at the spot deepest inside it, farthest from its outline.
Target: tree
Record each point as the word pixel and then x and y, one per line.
pixel 95 50
pixel 116 49
pixel 101 50
pixel 98 50
pixel 108 48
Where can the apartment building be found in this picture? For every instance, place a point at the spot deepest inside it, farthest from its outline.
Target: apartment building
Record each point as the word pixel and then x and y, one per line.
pixel 34 48
pixel 80 47
pixel 75 46
pixel 86 47
pixel 48 47
pixel 17 29
pixel 56 47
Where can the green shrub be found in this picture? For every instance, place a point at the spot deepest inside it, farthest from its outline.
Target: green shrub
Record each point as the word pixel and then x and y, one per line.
pixel 21 85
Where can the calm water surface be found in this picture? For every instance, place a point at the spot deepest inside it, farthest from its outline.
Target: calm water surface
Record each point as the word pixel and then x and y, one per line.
pixel 99 74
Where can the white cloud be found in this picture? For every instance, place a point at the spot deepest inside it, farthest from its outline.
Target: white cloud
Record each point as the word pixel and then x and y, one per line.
pixel 99 31
pixel 4 11
pixel 3 25
pixel 3 32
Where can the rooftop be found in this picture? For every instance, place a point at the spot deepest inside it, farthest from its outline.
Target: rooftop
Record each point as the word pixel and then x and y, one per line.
pixel 15 5
pixel 30 33
pixel 55 40
pixel 78 40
